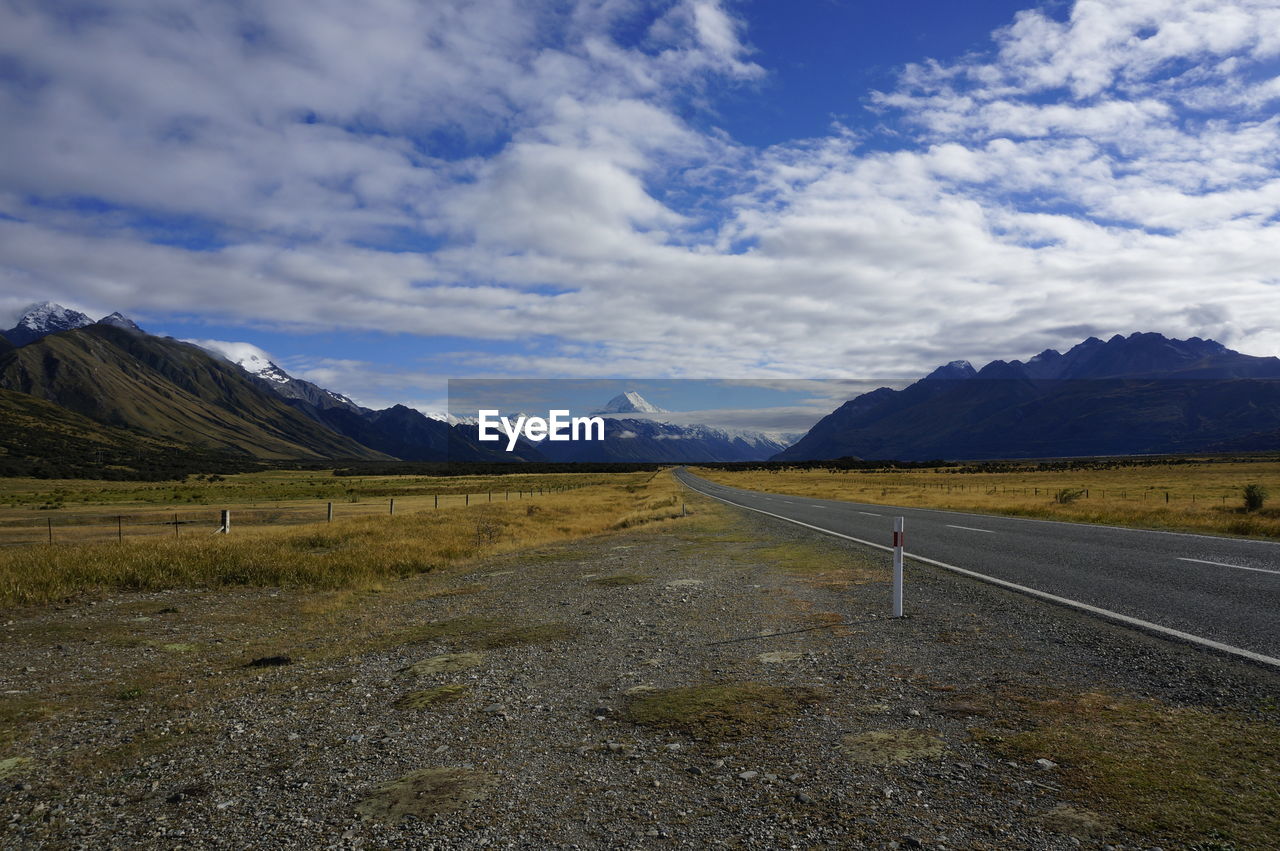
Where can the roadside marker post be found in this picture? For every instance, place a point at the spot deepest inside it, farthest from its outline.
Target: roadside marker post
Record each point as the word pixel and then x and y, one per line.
pixel 898 540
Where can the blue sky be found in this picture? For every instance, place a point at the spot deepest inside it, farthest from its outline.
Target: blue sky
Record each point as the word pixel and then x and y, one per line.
pixel 386 195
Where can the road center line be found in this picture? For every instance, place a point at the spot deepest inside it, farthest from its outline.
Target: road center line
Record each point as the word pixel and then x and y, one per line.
pixel 870 514
pixel 969 528
pixel 1224 564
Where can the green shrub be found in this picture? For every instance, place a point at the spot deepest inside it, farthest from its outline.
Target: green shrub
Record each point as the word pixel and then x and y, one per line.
pixel 1255 496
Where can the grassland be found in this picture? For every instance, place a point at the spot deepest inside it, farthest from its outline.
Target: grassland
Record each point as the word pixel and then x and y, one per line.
pixel 351 552
pixel 80 510
pixel 1205 496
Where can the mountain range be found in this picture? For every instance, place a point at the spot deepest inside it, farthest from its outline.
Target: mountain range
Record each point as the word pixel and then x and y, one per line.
pixel 1141 394
pixel 229 399
pixel 73 389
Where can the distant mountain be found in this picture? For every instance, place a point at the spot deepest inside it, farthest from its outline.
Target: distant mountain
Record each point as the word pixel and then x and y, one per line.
pixel 44 319
pixel 629 403
pixel 167 389
pixel 645 440
pixel 258 363
pixel 1128 395
pixel 119 320
pixel 399 431
pixel 405 433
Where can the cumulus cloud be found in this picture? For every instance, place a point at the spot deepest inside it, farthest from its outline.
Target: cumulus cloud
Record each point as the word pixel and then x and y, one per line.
pixel 521 171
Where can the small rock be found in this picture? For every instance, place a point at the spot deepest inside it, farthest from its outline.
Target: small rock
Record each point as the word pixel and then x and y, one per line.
pixel 914 713
pixel 748 775
pixel 673 747
pixel 494 709
pixel 804 797
pixel 1046 764
pixel 912 842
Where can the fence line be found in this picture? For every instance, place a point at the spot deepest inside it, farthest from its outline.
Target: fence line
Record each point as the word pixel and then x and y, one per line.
pixel 183 523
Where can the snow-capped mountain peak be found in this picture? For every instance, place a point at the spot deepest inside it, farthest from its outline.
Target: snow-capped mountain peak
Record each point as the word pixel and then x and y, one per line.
pixel 119 320
pixel 256 362
pixel 630 403
pixel 248 357
pixel 43 319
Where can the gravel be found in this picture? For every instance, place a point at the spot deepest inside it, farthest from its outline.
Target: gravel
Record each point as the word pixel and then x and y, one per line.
pixel 537 751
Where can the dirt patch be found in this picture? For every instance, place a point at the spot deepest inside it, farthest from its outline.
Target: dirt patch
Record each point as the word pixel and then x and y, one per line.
pixel 892 747
pixel 718 711
pixel 1073 821
pixel 446 663
pixel 428 697
pixel 429 791
pixel 777 657
pixel 620 579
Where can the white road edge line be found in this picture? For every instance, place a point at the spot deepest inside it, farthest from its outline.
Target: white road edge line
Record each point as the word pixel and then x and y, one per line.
pixel 968 528
pixel 1023 589
pixel 1224 564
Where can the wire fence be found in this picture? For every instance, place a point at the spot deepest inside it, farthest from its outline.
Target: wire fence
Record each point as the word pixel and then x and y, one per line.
pixel 75 527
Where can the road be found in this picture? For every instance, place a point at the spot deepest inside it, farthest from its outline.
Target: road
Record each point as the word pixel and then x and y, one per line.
pixel 1215 591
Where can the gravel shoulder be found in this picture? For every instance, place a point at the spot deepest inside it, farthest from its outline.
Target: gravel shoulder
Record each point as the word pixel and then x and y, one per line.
pixel 723 680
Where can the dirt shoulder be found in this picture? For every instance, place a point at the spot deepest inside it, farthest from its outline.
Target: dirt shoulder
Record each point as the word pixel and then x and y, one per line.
pixel 687 684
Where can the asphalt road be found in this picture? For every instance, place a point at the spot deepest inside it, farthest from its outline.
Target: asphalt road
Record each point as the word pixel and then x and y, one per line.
pixel 1215 589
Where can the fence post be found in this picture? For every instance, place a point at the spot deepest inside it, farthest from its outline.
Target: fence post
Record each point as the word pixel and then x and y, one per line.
pixel 329 513
pixel 466 499
pixel 175 524
pixel 437 500
pixel 119 528
pixel 226 521
pixel 391 506
pixel 50 521
pixel 898 541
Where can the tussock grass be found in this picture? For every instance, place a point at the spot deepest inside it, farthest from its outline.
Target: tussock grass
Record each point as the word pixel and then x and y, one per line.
pixel 620 579
pixel 357 552
pixel 720 711
pixel 1168 771
pixel 431 696
pixel 1202 497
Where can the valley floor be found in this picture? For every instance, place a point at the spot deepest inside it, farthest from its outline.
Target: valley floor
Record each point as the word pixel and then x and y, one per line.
pixel 689 684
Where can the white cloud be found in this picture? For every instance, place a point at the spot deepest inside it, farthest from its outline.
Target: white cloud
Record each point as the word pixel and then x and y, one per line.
pixel 1113 171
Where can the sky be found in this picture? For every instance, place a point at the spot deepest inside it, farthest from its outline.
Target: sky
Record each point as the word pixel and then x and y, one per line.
pixel 384 195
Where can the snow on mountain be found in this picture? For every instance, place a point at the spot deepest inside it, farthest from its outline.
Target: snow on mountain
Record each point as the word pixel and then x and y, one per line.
pixel 43 319
pixel 255 361
pixel 630 403
pixel 119 320
pixel 247 356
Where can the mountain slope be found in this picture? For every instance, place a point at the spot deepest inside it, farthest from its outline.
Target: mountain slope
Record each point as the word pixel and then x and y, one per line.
pixel 168 389
pixel 43 440
pixel 1134 395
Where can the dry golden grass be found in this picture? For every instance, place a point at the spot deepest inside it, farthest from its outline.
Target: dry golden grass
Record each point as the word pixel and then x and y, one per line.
pixel 349 553
pixel 1201 497
pixel 86 511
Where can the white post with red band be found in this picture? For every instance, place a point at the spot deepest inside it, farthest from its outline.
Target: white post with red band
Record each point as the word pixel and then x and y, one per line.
pixel 898 541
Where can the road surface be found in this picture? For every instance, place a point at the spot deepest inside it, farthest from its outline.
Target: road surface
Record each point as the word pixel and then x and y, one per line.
pixel 1207 589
